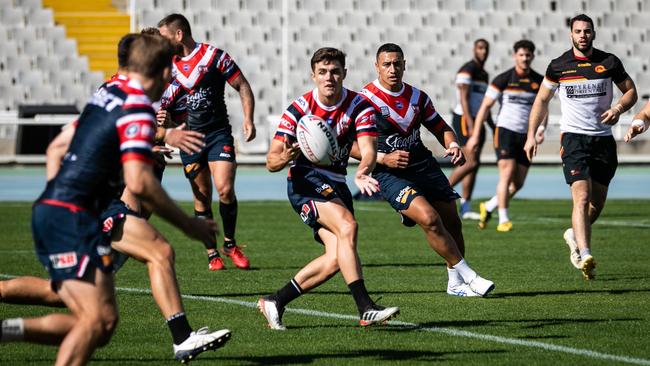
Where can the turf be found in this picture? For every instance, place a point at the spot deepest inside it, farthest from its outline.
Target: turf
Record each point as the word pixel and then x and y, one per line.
pixel 540 299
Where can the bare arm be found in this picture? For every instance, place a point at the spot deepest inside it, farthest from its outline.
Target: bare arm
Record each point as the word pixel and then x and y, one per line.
pixel 248 105
pixel 368 151
pixel 280 154
pixel 481 116
pixel 464 103
pixel 538 113
pixel 57 149
pixel 628 99
pixel 447 138
pixel 640 123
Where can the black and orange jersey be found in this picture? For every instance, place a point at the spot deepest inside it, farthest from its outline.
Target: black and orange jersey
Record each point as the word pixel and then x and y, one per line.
pixel 473 74
pixel 516 94
pixel 585 89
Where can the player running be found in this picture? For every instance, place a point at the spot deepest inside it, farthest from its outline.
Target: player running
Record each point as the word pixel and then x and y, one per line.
pixel 202 71
pixel 409 176
pixel 584 77
pixel 116 128
pixel 515 89
pixel 320 195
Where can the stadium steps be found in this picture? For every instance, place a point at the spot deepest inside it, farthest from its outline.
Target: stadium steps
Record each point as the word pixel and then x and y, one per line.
pixel 96 25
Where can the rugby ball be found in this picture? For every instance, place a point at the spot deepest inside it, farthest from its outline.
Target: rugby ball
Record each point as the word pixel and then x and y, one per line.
pixel 317 140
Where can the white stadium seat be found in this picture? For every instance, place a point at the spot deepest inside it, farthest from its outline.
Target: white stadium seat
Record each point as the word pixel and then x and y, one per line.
pixel 199 5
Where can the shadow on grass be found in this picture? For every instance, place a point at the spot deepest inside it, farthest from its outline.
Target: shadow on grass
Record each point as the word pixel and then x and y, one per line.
pixel 364 265
pixel 505 295
pixel 316 293
pixel 534 323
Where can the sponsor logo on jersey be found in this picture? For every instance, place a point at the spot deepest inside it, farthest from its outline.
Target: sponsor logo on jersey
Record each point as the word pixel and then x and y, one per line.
pixel 584 64
pixel 63 260
pixel 399 142
pixel 304 212
pixel 569 72
pixel 586 90
pixel 203 69
pixel 384 111
pixel 404 194
pixel 224 155
pixel 600 69
pixel 324 190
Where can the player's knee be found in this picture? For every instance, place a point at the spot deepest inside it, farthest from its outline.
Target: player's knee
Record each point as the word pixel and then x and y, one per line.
pixel 100 328
pixel 348 228
pixel 227 194
pixel 164 254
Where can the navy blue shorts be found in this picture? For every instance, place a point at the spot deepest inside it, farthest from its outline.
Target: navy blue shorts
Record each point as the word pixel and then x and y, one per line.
pixel 219 146
pixel 69 242
pixel 509 144
pixel 305 186
pixel 111 218
pixel 400 186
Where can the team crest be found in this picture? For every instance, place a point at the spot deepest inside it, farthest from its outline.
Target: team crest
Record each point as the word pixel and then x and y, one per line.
pixel 132 130
pixel 399 105
pixel 600 69
pixel 534 86
pixel 186 67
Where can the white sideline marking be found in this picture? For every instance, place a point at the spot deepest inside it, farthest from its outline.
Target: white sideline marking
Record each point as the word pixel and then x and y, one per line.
pixel 448 331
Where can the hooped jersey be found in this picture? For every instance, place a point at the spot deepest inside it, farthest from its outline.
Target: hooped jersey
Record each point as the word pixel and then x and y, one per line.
pixel 352 117
pixel 117 125
pixel 399 118
pixel 474 75
pixel 585 89
pixel 199 87
pixel 516 94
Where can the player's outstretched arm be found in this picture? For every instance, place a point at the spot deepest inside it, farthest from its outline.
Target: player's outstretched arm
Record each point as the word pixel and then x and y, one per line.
pixel 538 112
pixel 280 154
pixel 248 105
pixel 57 149
pixel 368 150
pixel 628 99
pixel 640 123
pixel 140 180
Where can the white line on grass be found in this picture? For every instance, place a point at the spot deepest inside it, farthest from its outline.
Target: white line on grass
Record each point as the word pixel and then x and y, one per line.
pixel 448 331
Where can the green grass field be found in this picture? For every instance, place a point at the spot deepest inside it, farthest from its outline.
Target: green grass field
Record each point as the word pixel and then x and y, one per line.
pixel 542 311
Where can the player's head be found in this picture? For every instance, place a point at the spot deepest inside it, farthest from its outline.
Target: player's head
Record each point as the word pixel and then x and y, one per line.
pixel 582 33
pixel 328 71
pixel 390 66
pixel 176 28
pixel 151 58
pixel 481 50
pixel 152 31
pixel 123 47
pixel 524 54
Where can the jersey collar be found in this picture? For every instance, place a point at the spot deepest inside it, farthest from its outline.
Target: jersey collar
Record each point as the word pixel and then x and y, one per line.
pixel 391 93
pixel 344 95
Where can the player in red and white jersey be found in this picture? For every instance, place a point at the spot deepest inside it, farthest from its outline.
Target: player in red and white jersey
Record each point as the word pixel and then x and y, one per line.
pixel 584 78
pixel 515 89
pixel 410 178
pixel 202 72
pixel 320 195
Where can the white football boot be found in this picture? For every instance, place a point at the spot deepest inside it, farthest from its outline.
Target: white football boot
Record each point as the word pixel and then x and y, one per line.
pixel 271 312
pixel 481 286
pixel 574 253
pixel 461 290
pixel 588 267
pixel 378 314
pixel 199 342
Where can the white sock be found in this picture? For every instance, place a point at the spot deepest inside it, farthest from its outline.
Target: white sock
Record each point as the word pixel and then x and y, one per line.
pixel 464 271
pixel 585 252
pixel 13 330
pixel 503 215
pixel 491 204
pixel 454 278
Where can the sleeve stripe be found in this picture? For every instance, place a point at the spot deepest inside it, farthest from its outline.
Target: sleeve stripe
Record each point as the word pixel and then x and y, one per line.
pixel 234 76
pixel 432 117
pixel 367 133
pixel 130 144
pixel 135 117
pixel 136 156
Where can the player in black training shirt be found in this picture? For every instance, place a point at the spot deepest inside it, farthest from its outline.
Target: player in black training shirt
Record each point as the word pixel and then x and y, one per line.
pixel 583 77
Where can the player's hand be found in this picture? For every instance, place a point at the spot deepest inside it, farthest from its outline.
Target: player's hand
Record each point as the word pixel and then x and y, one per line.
pixel 530 148
pixel 396 159
pixel 610 117
pixel 163 151
pixel 163 118
pixel 186 140
pixel 456 154
pixel 249 130
pixel 539 136
pixel 635 129
pixel 366 184
pixel 203 230
pixel 290 151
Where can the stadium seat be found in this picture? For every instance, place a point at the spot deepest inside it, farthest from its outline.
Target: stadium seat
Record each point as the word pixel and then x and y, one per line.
pixel 468 19
pixel 198 5
pixel 170 6
pixel 35 47
pixel 50 33
pixel 29 4
pixel 65 46
pixel 537 6
pixel 17 63
pixel 453 5
pixel 425 5
pixel 369 5
pixel 48 63
pixel 396 35
pixel 615 20
pixel 310 5
pixel 570 6
pixel 75 62
pixel 454 35
pixel 632 6
pixel 436 20
pixel 524 20
pixel 239 18
pixel 220 34
pixel 553 20
pixel 324 19
pixel 509 5
pixel 151 17
pixel 12 17
pixel 481 5
pixel 396 5
pixel 41 94
pixel 40 17
pixel 497 20
pixel 64 76
pixel 340 5
pixel 599 5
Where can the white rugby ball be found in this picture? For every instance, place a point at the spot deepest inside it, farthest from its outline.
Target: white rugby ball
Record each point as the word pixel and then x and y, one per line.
pixel 317 140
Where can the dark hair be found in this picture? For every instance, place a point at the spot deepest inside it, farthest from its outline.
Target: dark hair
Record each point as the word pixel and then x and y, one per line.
pixel 150 55
pixel 123 48
pixel 581 18
pixel 152 31
pixel 327 54
pixel 525 44
pixel 481 40
pixel 176 21
pixel 389 47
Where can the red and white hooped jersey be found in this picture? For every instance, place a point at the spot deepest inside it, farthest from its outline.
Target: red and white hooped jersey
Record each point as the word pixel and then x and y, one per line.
pixel 399 117
pixel 352 117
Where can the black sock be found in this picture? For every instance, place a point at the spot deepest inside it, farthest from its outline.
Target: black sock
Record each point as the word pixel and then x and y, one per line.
pixel 180 327
pixel 212 255
pixel 228 212
pixel 206 215
pixel 360 294
pixel 288 293
pixel 229 244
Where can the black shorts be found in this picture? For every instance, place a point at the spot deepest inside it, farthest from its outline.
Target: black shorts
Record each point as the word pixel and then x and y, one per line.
pixel 69 242
pixel 510 145
pixel 400 186
pixel 219 146
pixel 585 156
pixel 305 186
pixel 463 133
